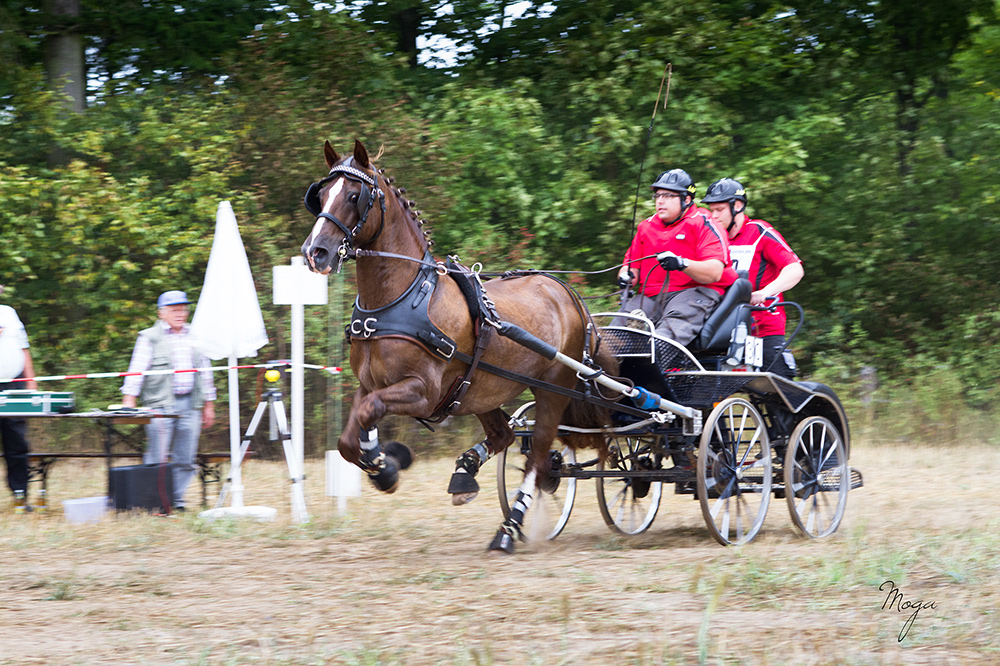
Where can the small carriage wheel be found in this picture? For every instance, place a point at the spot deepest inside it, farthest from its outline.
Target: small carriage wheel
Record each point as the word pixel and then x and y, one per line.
pixel 560 492
pixel 629 504
pixel 734 471
pixel 816 477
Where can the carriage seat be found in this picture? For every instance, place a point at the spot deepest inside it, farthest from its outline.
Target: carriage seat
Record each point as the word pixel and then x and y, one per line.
pixel 715 334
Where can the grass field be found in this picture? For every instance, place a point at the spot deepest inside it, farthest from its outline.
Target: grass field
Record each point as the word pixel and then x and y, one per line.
pixel 405 579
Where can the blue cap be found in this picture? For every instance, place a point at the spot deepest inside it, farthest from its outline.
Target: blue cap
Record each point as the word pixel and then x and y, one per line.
pixel 172 298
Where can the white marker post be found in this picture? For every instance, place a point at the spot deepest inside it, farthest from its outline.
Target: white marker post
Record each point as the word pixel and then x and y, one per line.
pixel 343 480
pixel 297 286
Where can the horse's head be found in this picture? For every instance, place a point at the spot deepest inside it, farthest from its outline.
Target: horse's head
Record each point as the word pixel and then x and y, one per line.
pixel 342 203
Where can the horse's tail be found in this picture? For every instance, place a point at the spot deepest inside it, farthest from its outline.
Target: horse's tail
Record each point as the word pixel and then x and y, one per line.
pixel 582 414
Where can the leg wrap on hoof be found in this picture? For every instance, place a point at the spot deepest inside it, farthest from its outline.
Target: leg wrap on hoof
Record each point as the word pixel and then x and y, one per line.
pixel 504 539
pixel 463 481
pixel 510 530
pixel 549 482
pixel 640 487
pixel 518 508
pixel 383 470
pixel 401 452
pixel 386 478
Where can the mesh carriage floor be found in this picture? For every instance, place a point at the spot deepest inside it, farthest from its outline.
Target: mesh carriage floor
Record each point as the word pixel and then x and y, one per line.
pixel 640 345
pixel 665 367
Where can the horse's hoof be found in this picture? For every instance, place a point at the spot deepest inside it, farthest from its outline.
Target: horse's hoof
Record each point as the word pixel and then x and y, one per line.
pixel 401 452
pixel 458 499
pixel 463 482
pixel 387 479
pixel 502 542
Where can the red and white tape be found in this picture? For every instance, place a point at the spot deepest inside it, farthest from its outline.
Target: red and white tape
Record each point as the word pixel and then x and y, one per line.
pixel 333 370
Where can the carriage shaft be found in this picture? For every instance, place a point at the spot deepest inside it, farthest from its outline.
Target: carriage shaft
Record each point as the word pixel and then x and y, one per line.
pixel 651 400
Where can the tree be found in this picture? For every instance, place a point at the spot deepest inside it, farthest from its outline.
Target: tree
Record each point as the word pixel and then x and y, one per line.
pixel 64 65
pixel 129 41
pixel 898 47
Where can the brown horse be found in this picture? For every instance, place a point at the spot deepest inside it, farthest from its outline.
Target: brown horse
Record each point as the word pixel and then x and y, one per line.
pixel 401 371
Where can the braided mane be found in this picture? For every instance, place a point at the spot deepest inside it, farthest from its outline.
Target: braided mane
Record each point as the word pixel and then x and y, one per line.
pixel 408 204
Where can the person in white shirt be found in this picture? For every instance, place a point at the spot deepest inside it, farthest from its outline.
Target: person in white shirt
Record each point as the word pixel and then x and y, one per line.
pixel 15 363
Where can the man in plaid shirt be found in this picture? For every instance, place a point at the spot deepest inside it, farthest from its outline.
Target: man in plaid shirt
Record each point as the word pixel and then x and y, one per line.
pixel 168 345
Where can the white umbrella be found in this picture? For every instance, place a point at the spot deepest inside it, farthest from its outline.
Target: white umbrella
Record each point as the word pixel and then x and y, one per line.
pixel 228 324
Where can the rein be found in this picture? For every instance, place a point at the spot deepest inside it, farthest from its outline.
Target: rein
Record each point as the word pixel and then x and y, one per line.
pixel 511 273
pixel 443 269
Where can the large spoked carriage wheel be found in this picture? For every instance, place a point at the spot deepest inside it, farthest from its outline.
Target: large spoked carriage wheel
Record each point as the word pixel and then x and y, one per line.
pixel 816 477
pixel 629 504
pixel 549 516
pixel 734 471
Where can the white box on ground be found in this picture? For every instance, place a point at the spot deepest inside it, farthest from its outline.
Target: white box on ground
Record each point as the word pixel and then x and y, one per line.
pixel 297 285
pixel 342 478
pixel 85 509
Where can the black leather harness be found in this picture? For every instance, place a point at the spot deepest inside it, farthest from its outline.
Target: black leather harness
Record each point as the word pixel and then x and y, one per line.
pixel 408 317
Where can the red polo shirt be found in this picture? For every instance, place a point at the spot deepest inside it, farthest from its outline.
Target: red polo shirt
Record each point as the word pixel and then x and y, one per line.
pixel 694 237
pixel 768 253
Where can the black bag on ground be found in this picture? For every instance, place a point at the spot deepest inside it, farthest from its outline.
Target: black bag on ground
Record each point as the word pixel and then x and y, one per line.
pixel 149 487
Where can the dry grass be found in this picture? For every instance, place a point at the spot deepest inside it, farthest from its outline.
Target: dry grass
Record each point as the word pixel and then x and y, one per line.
pixel 404 579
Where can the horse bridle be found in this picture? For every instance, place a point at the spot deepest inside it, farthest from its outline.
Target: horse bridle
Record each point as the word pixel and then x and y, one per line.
pixel 370 191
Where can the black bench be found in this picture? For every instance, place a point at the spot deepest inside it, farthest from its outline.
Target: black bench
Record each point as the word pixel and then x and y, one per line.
pixel 210 470
pixel 209 465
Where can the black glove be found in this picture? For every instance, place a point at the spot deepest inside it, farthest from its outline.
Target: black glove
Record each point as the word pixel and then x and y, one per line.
pixel 625 281
pixel 671 262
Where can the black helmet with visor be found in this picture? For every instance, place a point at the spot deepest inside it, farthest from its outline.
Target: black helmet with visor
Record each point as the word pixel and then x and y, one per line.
pixel 676 180
pixel 727 190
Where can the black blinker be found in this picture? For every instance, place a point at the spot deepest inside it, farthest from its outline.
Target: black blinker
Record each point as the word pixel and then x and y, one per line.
pixel 311 200
pixel 363 199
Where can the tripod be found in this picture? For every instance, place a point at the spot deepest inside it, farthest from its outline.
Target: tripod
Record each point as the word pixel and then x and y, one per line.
pixel 271 403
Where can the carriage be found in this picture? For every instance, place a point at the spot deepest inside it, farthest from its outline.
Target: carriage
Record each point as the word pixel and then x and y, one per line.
pixel 431 339
pixel 761 435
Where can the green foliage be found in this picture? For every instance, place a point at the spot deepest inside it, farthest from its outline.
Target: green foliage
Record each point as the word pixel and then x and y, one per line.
pixel 92 243
pixel 976 357
pixel 135 41
pixel 868 137
pixel 522 200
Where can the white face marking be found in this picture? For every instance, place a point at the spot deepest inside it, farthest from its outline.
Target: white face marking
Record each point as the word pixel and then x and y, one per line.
pixel 331 197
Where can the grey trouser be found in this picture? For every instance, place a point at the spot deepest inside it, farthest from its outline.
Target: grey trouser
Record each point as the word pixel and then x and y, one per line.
pixel 176 440
pixel 678 315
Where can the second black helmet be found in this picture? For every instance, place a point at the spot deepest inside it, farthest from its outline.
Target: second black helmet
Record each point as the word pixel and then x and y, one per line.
pixel 675 180
pixel 725 189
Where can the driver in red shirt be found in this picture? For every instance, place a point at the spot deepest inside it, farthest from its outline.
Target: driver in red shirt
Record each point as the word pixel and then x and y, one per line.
pixel 772 267
pixel 678 261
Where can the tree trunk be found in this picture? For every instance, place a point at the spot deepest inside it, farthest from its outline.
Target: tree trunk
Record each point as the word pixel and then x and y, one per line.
pixel 64 64
pixel 409 29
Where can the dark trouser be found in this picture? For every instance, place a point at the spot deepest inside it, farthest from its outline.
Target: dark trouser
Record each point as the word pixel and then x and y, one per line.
pixel 784 364
pixel 678 315
pixel 647 305
pixel 15 448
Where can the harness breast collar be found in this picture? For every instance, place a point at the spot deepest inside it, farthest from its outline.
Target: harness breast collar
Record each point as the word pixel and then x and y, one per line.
pixel 406 317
